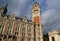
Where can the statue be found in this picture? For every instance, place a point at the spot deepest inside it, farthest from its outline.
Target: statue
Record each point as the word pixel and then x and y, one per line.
pixel 3 10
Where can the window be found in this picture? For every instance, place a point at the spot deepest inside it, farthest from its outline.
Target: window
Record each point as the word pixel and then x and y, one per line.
pixel 29 39
pixel 23 31
pixel 23 28
pixel 29 28
pixel 29 32
pixel 9 32
pixel 16 33
pixel 22 39
pixel 53 39
pixel 29 35
pixel 23 36
pixel 10 23
pixel 38 39
pixel 17 24
pixel 36 28
pixel 9 28
pixel 1 29
pixel 15 39
pixel 0 26
pixel 16 28
pixel 2 22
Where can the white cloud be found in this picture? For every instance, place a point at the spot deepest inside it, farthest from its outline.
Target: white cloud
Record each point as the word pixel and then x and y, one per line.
pixel 51 17
pixel 29 12
pixel 18 2
pixel 18 6
pixel 53 4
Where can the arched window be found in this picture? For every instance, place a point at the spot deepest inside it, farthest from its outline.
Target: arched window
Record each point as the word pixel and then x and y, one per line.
pixel 17 28
pixel 23 28
pixel 23 31
pixel 53 39
pixel 29 32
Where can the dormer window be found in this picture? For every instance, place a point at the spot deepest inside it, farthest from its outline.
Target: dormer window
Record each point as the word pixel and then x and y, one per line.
pixel 25 18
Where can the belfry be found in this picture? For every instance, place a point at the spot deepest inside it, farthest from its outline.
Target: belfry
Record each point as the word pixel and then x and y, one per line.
pixel 37 19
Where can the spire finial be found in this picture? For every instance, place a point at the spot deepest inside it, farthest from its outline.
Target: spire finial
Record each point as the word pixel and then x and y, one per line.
pixel 35 2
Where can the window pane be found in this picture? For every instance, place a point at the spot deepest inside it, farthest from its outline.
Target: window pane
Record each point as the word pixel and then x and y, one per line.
pixel 16 33
pixel 1 28
pixel 9 28
pixel 9 32
pixel 29 39
pixel 17 26
pixel 29 28
pixel 23 28
pixel 23 36
pixel 15 39
pixel 2 21
pixel 17 29
pixel 29 35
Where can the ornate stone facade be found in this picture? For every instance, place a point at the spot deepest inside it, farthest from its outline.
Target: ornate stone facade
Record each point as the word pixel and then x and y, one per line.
pixel 13 28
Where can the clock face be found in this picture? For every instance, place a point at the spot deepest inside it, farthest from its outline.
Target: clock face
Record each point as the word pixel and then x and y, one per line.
pixel 36 8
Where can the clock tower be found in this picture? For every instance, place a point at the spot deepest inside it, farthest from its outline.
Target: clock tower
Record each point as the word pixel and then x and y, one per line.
pixel 36 13
pixel 37 19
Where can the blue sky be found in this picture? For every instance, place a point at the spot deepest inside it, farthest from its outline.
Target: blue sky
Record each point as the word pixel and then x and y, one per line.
pixel 50 11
